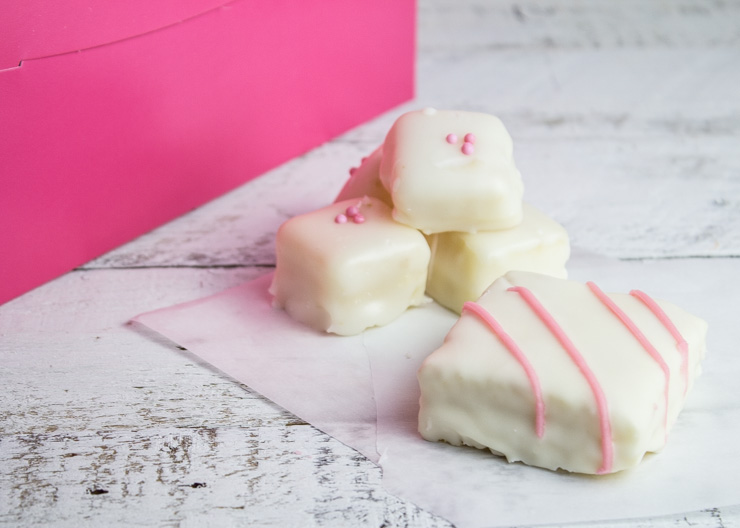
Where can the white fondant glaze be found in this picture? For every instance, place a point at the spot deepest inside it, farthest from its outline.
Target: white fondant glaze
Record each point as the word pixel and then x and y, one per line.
pixel 474 392
pixel 345 277
pixel 365 181
pixel 436 187
pixel 463 265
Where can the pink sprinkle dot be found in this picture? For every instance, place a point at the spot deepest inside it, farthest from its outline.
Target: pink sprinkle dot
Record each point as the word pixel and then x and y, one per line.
pixel 340 219
pixel 352 211
pixel 451 139
pixel 352 171
pixel 469 138
pixel 358 218
pixel 468 148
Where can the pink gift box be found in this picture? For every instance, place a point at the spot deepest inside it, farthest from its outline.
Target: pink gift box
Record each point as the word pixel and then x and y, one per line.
pixel 117 117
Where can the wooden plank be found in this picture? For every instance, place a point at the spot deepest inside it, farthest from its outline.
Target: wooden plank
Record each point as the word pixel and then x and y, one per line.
pixel 93 402
pixel 549 24
pixel 268 475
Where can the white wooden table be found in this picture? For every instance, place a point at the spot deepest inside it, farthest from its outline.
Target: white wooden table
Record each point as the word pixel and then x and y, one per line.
pixel 626 122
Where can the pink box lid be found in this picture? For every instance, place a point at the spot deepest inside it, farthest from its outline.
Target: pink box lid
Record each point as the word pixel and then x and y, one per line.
pixel 33 29
pixel 102 145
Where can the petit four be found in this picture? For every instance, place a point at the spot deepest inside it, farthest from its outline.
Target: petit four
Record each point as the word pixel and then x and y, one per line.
pixel 451 171
pixel 559 374
pixel 463 265
pixel 348 267
pixel 365 180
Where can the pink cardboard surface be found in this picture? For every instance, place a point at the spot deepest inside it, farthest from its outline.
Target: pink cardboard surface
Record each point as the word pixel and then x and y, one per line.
pixel 33 29
pixel 101 145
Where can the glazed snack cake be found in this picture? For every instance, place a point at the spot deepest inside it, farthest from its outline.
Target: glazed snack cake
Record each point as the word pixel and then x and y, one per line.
pixel 558 374
pixel 451 171
pixel 348 267
pixel 463 265
pixel 365 180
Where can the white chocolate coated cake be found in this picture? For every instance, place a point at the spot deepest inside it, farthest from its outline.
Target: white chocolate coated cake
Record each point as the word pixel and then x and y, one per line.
pixel 558 374
pixel 348 267
pixel 451 171
pixel 365 180
pixel 463 265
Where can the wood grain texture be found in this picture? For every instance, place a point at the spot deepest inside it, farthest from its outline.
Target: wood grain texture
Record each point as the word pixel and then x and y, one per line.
pixel 106 421
pixel 448 27
pixel 626 122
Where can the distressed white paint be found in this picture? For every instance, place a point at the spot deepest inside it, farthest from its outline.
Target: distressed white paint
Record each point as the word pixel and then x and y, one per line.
pixel 626 121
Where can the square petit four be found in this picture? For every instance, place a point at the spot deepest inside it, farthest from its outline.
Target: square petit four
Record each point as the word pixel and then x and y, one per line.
pixel 348 267
pixel 463 265
pixel 559 374
pixel 451 171
pixel 365 180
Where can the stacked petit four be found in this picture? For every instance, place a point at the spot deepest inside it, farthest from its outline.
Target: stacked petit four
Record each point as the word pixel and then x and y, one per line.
pixel 539 369
pixel 451 171
pixel 449 178
pixel 452 176
pixel 349 266
pixel 365 180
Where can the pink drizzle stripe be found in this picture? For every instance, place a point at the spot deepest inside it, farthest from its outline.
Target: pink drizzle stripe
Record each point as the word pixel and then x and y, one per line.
pixel 607 452
pixel 681 344
pixel 506 339
pixel 649 348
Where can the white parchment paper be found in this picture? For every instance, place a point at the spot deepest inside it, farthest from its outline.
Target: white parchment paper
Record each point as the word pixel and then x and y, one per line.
pixel 362 390
pixel 323 379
